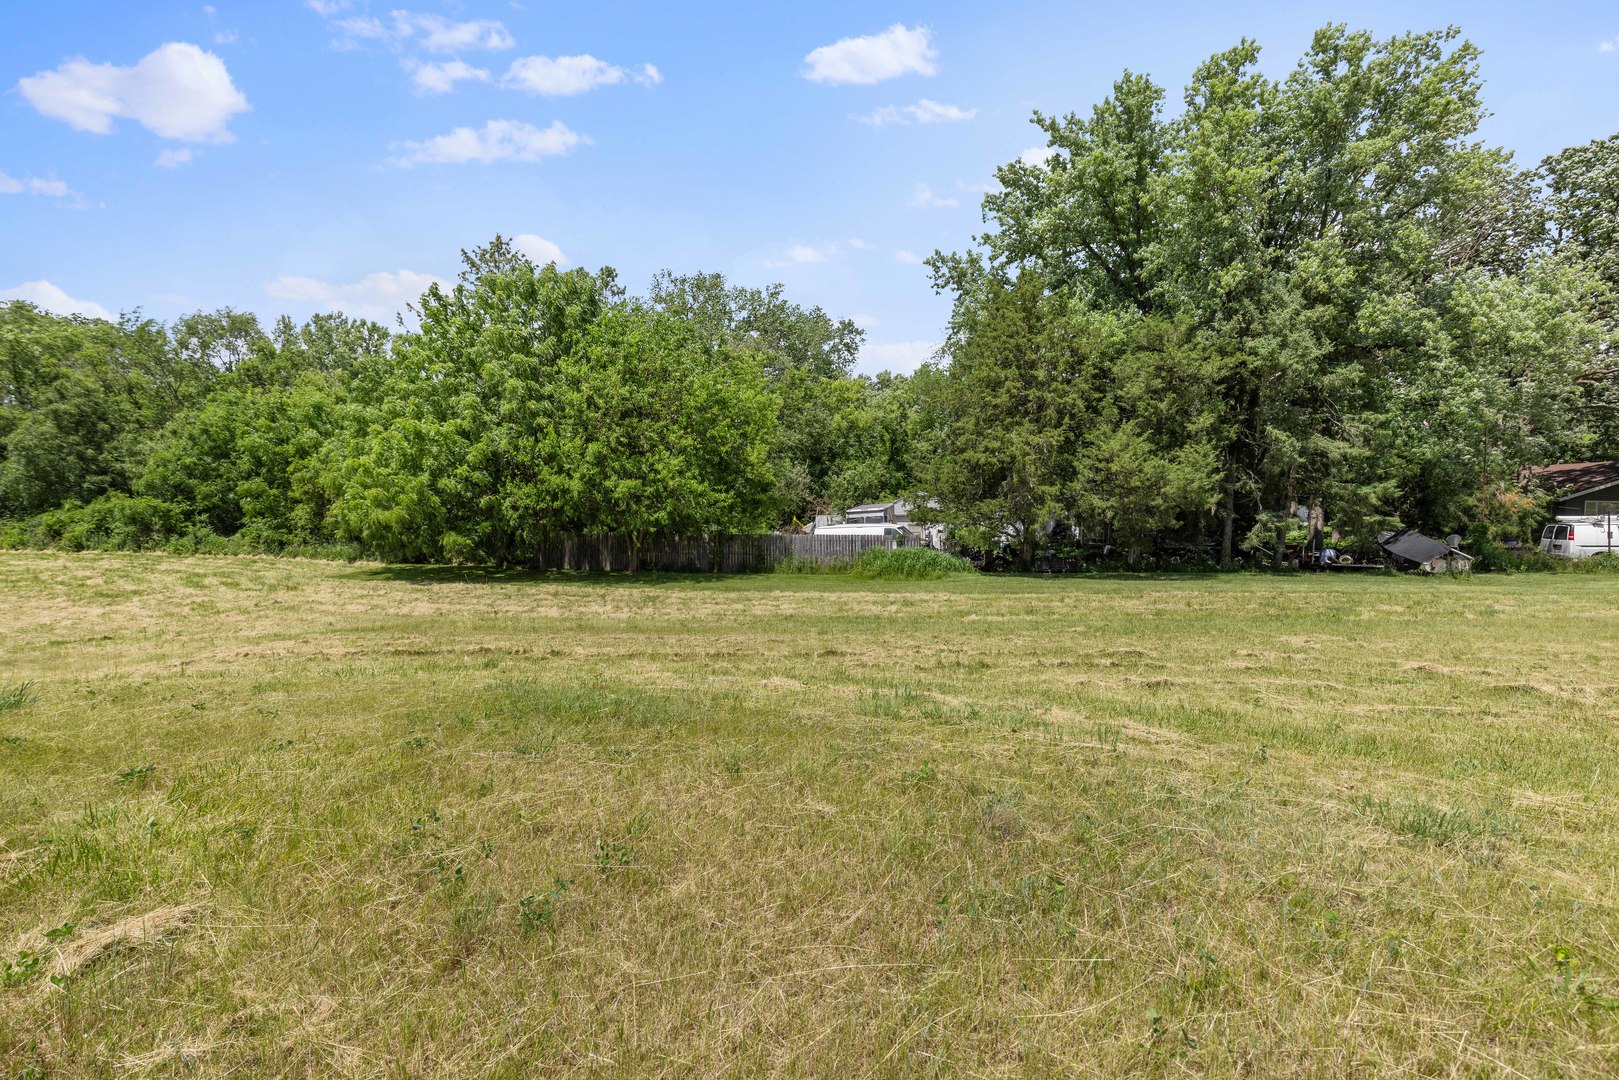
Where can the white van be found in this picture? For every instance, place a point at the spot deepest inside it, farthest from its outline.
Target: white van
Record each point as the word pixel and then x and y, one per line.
pixel 888 530
pixel 1581 537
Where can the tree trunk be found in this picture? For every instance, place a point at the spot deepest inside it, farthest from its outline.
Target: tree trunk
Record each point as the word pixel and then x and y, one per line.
pixel 1026 549
pixel 1228 530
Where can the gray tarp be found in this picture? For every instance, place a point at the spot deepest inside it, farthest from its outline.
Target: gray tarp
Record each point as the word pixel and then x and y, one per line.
pixel 1412 545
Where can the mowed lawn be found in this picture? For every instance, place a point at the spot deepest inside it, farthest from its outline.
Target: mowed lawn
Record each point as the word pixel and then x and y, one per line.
pixel 291 818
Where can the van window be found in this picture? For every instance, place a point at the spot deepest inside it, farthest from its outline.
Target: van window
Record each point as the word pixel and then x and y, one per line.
pixel 1549 533
pixel 1561 534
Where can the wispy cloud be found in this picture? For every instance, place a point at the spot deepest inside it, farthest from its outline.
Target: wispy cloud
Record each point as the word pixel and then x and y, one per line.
pixel 36 185
pixel 909 258
pixel 924 111
pixel 899 50
pixel 434 33
pixel 565 76
pixel 378 296
pixel 441 78
pixel 804 255
pixel 926 197
pixel 1611 45
pixel 173 159
pixel 497 140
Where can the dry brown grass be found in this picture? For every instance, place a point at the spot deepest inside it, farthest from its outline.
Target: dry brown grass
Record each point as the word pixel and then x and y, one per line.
pixel 90 945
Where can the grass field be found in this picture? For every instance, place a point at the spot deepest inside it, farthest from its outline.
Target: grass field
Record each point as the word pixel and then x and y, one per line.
pixel 280 818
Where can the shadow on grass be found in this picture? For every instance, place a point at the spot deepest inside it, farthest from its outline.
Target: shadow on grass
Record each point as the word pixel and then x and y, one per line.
pixel 488 575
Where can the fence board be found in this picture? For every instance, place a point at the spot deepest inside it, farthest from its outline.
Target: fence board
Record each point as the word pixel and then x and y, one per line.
pixel 702 554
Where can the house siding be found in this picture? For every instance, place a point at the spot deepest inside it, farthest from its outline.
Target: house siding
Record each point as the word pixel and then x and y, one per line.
pixel 1575 505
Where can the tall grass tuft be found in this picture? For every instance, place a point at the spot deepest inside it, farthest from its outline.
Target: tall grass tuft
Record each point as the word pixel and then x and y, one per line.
pixel 885 564
pixel 909 564
pixel 15 697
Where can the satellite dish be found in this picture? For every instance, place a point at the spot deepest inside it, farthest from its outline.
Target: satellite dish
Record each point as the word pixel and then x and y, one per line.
pixel 1453 540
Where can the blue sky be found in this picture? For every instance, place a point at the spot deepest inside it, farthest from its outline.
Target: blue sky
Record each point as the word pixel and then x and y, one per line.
pixel 299 155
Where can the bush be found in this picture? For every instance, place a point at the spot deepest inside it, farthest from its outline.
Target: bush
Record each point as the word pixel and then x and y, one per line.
pixel 909 564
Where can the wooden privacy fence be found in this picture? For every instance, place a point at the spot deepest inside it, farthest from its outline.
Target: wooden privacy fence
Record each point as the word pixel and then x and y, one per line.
pixel 705 554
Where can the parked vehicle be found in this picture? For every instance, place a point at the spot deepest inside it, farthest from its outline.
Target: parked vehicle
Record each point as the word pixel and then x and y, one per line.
pixel 1581 537
pixel 889 530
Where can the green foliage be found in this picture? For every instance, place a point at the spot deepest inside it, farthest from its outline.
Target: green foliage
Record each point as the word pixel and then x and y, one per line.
pixel 18 696
pixel 1354 305
pixel 909 564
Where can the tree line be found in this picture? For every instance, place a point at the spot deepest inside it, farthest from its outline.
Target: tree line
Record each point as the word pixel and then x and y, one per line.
pixel 1323 290
pixel 528 402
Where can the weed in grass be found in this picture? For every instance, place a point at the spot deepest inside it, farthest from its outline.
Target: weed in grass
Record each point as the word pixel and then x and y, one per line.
pixel 1419 820
pixel 617 854
pixel 612 856
pixel 14 740
pixel 538 911
pixel 924 773
pixel 18 696
pixel 536 747
pixel 137 774
pixel 14 973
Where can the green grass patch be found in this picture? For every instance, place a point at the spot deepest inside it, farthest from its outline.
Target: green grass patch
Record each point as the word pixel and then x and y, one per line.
pixel 292 819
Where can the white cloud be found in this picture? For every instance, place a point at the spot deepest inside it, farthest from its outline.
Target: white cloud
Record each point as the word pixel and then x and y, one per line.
pixel 173 159
pixel 565 76
pixel 865 60
pixel 909 258
pixel 803 255
pixel 497 140
pixel 43 294
pixel 34 186
pixel 177 91
pixel 366 28
pixel 1036 156
pixel 924 111
pixel 1608 46
pixel 441 78
pixel 438 34
pixel 434 33
pixel 865 322
pixel 900 357
pixel 226 37
pixel 327 8
pixel 858 244
pixel 928 198
pixel 378 296
pixel 539 250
